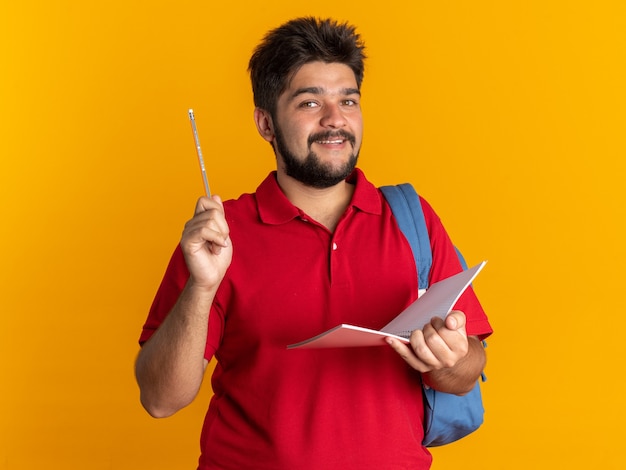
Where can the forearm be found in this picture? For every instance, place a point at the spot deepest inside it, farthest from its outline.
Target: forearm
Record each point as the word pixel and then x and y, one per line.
pixel 170 366
pixel 460 378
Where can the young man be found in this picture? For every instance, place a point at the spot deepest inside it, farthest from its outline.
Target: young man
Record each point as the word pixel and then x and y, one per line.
pixel 316 245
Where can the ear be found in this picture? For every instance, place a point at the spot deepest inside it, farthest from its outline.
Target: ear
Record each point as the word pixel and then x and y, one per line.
pixel 264 124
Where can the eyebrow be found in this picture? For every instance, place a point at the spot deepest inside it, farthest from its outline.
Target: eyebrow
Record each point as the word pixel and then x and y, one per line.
pixel 320 91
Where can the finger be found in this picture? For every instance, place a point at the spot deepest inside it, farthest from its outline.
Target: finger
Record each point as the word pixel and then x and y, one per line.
pixel 212 227
pixel 425 344
pixel 207 234
pixel 455 320
pixel 406 353
pixel 205 203
pixel 446 345
pixel 209 214
pixel 437 336
pixel 436 323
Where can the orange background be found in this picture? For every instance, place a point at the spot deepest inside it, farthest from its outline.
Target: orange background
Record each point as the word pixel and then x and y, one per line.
pixel 507 116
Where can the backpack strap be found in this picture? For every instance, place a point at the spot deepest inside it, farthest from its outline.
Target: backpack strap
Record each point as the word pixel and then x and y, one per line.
pixel 407 209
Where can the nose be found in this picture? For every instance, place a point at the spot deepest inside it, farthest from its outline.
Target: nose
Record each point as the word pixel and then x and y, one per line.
pixel 333 117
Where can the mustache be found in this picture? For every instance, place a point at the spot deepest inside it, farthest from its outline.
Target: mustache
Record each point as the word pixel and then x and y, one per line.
pixel 329 135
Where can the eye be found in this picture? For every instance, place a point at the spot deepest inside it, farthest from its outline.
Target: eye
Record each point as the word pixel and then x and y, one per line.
pixel 349 102
pixel 309 104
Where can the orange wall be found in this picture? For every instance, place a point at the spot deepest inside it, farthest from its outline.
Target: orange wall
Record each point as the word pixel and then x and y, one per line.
pixel 507 116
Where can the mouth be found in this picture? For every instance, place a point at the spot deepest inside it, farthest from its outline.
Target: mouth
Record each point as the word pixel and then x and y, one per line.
pixel 332 139
pixel 330 142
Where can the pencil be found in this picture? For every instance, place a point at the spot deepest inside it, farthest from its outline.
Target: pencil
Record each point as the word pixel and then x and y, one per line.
pixel 192 119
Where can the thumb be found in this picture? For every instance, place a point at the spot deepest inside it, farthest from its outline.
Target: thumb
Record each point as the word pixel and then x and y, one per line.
pixel 455 320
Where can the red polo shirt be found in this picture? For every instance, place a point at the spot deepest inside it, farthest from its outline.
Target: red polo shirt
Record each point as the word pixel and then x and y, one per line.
pixel 290 279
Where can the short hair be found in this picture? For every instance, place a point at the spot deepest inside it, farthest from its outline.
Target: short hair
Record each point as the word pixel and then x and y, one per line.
pixel 300 41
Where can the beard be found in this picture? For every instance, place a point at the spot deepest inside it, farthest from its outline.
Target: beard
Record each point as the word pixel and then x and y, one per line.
pixel 312 171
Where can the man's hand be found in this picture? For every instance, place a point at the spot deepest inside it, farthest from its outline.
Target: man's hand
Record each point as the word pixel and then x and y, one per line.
pixel 440 345
pixel 206 244
pixel 448 359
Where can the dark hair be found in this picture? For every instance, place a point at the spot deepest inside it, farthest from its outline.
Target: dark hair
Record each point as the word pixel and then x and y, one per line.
pixel 300 41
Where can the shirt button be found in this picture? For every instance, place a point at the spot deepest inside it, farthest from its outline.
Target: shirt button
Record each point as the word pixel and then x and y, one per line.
pixel 334 246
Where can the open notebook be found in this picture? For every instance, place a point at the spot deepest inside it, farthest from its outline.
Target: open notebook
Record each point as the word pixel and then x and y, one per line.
pixel 437 301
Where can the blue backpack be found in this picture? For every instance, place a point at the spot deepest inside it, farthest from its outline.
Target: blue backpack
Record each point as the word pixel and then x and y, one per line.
pixel 447 417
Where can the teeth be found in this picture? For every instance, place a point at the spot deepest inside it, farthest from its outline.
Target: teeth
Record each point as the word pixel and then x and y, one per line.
pixel 330 141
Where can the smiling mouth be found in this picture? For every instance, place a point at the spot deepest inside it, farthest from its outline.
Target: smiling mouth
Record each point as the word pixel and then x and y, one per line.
pixel 328 142
pixel 332 139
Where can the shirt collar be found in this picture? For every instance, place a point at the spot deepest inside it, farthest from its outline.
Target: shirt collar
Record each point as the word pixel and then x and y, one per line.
pixel 275 208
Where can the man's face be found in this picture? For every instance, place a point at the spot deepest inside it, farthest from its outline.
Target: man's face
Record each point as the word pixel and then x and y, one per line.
pixel 318 125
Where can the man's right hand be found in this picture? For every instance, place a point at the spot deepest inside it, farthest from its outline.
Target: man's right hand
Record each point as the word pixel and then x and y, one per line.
pixel 206 244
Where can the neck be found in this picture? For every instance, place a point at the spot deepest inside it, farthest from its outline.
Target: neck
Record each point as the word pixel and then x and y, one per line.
pixel 325 206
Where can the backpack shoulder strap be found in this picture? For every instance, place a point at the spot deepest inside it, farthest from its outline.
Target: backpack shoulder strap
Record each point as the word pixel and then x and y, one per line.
pixel 407 209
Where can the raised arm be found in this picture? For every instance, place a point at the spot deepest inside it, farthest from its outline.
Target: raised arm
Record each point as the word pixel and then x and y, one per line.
pixel 170 366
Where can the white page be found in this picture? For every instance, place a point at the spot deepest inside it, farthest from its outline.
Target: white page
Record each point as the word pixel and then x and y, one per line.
pixel 437 301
